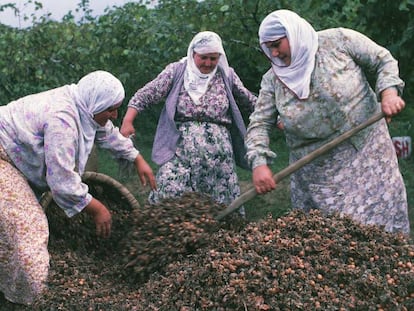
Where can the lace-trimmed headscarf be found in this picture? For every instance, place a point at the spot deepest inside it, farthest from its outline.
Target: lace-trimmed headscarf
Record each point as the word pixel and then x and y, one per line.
pixel 94 93
pixel 195 82
pixel 303 42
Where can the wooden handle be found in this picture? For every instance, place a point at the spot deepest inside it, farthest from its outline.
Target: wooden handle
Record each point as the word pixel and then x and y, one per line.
pixel 251 191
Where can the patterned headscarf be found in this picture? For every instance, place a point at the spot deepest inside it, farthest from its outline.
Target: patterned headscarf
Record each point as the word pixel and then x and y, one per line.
pixel 94 93
pixel 303 41
pixel 196 82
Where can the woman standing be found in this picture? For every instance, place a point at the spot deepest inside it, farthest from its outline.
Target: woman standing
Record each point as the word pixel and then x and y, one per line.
pixel 45 141
pixel 318 87
pixel 200 134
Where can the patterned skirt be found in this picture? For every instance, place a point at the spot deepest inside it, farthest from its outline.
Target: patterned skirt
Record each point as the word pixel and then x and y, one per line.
pixel 365 184
pixel 203 163
pixel 24 233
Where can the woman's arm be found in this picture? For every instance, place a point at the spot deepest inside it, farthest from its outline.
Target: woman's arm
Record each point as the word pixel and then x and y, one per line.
pixel 101 216
pixel 374 59
pixel 127 128
pixel 120 147
pixel 262 121
pixel 391 102
pixel 244 98
pixel 152 93
pixel 60 152
pixel 145 172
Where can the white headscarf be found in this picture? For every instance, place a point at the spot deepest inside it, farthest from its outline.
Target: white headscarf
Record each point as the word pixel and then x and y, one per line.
pixel 196 82
pixel 303 41
pixel 94 93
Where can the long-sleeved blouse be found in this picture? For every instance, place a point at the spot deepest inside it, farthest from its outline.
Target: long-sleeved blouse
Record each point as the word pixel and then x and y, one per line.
pixel 340 97
pixel 40 135
pixel 214 106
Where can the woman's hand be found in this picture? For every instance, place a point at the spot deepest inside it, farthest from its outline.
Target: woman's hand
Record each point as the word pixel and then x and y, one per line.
pixel 391 103
pixel 145 172
pixel 101 216
pixel 127 127
pixel 263 179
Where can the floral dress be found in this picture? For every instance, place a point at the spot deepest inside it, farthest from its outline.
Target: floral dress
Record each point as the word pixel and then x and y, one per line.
pixel 360 177
pixel 204 160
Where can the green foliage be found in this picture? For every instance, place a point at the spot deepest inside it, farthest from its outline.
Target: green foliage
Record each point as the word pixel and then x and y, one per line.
pixel 136 42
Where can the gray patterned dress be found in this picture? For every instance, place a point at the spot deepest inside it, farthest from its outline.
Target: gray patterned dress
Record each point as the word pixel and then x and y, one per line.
pixel 359 178
pixel 204 160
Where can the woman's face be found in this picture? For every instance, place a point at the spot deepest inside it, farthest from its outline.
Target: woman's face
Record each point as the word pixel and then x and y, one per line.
pixel 109 114
pixel 280 49
pixel 206 62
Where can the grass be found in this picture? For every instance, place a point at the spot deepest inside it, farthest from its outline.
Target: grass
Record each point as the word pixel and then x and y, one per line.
pixel 276 203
